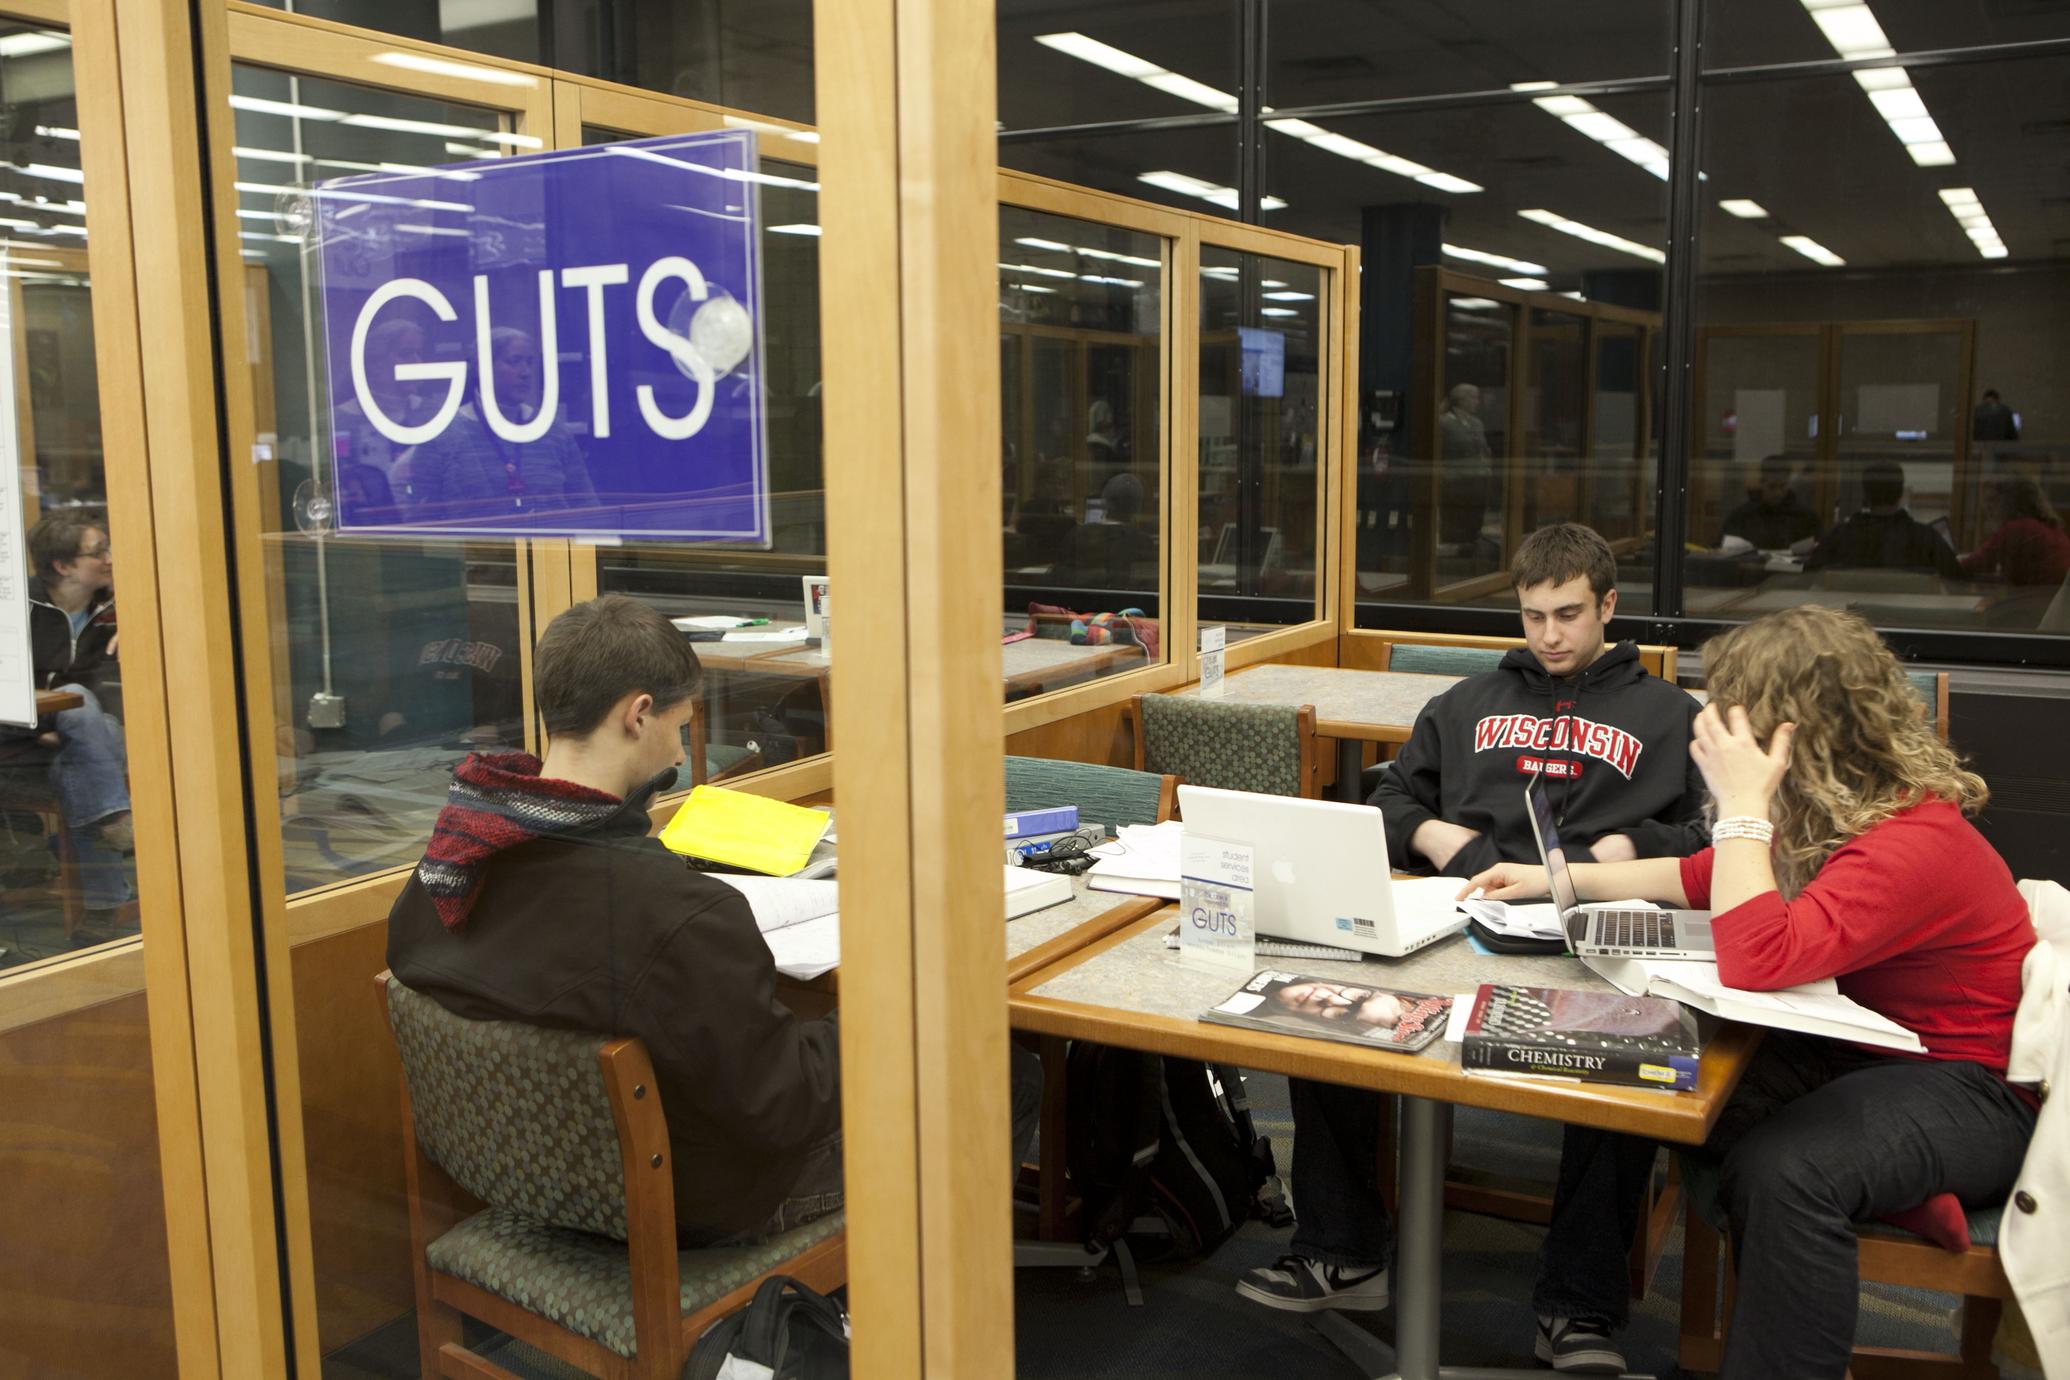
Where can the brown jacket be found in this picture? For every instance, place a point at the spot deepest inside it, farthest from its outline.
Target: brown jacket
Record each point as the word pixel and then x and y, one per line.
pixel 611 932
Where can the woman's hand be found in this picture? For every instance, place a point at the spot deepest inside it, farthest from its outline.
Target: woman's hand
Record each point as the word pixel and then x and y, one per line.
pixel 1742 775
pixel 1508 882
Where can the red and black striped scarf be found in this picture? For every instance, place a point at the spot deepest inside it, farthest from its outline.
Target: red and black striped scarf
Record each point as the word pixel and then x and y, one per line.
pixel 496 803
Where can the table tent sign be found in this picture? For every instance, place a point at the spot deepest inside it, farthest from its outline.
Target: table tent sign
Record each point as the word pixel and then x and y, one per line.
pixel 561 344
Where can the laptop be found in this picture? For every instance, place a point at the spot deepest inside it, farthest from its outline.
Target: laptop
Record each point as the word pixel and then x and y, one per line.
pixel 1319 872
pixel 1610 931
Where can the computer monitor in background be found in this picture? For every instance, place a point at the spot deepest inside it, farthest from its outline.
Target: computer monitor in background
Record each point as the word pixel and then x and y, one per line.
pixel 1226 547
pixel 1263 368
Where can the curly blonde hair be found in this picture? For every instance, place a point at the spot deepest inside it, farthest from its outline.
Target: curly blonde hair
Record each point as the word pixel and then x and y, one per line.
pixel 1863 750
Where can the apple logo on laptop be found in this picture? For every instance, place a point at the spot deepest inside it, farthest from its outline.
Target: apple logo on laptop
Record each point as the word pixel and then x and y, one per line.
pixel 1282 872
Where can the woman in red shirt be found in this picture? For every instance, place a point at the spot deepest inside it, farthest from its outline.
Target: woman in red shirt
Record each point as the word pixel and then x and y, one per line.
pixel 1874 877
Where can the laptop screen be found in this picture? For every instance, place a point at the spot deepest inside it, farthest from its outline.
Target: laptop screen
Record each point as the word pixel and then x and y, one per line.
pixel 1554 856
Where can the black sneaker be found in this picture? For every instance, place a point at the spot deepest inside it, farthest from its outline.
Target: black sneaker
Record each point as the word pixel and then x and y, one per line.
pixel 1301 1284
pixel 1581 1346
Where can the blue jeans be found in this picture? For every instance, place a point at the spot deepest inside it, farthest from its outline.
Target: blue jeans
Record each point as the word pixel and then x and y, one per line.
pixel 90 776
pixel 1342 1221
pixel 1819 1138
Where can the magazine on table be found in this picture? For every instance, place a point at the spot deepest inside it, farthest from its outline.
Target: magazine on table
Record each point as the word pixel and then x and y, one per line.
pixel 1326 1009
pixel 1596 1037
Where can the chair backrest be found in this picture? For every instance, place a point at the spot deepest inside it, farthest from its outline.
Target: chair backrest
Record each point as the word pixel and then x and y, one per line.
pixel 1103 794
pixel 518 1115
pixel 1429 660
pixel 1267 748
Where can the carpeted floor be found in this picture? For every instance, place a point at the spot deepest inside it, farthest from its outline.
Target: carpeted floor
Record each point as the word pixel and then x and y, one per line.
pixel 1193 1326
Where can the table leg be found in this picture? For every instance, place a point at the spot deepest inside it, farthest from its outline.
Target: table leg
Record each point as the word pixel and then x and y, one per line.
pixel 1351 760
pixel 1418 1261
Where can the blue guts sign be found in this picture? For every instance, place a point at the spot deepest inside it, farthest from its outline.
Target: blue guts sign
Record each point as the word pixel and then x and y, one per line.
pixel 562 344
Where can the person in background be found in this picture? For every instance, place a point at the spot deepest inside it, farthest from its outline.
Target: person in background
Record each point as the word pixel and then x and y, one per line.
pixel 1610 743
pixel 358 443
pixel 1465 469
pixel 1773 518
pixel 1112 553
pixel 2027 545
pixel 541 897
pixel 471 472
pixel 1993 420
pixel 1842 850
pixel 1883 535
pixel 73 644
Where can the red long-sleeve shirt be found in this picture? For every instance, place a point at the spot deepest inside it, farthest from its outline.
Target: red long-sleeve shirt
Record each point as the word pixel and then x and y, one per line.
pixel 1918 919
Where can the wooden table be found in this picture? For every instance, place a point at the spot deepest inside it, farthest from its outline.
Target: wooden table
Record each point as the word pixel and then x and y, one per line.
pixel 1128 989
pixel 1353 707
pixel 57 701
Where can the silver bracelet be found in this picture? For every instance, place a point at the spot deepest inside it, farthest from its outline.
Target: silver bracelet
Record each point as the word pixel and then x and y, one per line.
pixel 1743 827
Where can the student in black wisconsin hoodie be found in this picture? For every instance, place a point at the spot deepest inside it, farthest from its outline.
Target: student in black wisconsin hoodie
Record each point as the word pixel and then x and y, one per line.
pixel 1612 744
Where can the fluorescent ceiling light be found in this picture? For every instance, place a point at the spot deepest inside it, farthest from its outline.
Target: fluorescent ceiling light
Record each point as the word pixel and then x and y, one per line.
pixel 1898 102
pixel 48 172
pixel 794 229
pixel 294 110
pixel 246 214
pixel 1057 247
pixel 57 132
pixel 1935 155
pixel 1111 282
pixel 1607 130
pixel 271 155
pixel 1743 208
pixel 1039 272
pixel 1226 275
pixel 432 230
pixel 1344 146
pixel 1482 256
pixel 1526 284
pixel 1206 191
pixel 28 45
pixel 803 136
pixel 1475 303
pixel 1128 65
pixel 1851 29
pixel 470 151
pixel 1969 213
pixel 1813 250
pixel 1290 296
pixel 1277 311
pixel 465 71
pixel 1034 243
pixel 1031 287
pixel 1554 221
pixel 1921 130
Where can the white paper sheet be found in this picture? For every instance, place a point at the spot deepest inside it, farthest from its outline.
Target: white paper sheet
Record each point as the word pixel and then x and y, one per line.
pixel 805 950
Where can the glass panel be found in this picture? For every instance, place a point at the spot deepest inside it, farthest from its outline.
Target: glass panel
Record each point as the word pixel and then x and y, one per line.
pixel 1322 53
pixel 1192 169
pixel 1075 63
pixel 1261 435
pixel 1081 327
pixel 1893 328
pixel 392 657
pixel 755 58
pixel 763 706
pixel 1750 32
pixel 1474 430
pixel 85 1286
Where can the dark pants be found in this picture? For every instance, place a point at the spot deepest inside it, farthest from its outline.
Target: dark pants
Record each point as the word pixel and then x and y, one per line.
pixel 817 1191
pixel 1341 1220
pixel 1819 1138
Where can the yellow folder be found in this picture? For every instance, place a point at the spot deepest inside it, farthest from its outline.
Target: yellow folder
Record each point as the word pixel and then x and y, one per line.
pixel 744 830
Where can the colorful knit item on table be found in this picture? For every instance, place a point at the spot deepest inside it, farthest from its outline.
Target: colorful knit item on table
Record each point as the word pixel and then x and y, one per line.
pixel 496 803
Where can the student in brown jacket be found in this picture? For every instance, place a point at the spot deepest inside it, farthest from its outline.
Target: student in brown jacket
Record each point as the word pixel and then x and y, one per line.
pixel 541 898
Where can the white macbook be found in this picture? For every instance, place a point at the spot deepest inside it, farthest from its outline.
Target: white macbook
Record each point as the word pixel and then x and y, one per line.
pixel 1320 875
pixel 1612 931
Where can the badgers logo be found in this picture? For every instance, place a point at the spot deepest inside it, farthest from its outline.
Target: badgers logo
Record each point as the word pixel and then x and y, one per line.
pixel 1566 733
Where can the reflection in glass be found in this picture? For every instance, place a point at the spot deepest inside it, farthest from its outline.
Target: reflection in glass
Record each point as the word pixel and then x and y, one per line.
pixel 393 657
pixel 1878 423
pixel 1074 63
pixel 1262 439
pixel 1081 329
pixel 764 704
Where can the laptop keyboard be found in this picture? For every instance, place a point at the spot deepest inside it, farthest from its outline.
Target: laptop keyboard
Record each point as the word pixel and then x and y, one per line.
pixel 1635 929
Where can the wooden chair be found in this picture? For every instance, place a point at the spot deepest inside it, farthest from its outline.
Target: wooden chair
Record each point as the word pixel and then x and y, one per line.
pixel 1887 1256
pixel 541 1201
pixel 1267 748
pixel 1104 795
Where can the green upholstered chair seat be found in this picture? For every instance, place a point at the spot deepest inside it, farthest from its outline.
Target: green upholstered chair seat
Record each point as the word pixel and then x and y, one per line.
pixel 1233 747
pixel 583 1282
pixel 1104 795
pixel 1418 659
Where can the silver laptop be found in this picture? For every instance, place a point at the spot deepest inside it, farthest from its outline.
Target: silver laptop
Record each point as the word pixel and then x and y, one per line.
pixel 1319 872
pixel 1609 931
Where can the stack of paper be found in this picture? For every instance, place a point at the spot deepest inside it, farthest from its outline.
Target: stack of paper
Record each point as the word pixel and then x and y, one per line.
pixel 1143 861
pixel 744 830
pixel 1816 1008
pixel 802 928
pixel 780 902
pixel 1540 921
